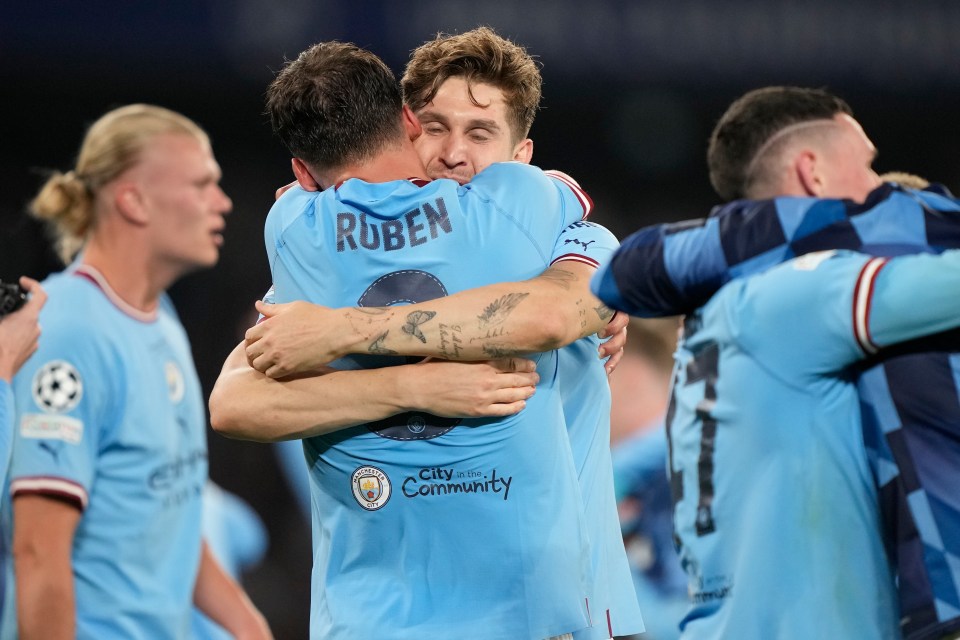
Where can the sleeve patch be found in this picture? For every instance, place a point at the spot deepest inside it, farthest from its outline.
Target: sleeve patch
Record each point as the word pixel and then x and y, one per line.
pixel 57 387
pixel 51 427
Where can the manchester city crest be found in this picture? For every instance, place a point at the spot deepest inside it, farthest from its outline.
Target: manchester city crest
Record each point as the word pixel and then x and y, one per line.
pixel 371 487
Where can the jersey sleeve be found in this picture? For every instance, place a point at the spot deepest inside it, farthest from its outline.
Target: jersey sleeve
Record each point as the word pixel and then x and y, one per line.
pixel 584 242
pixel 910 297
pixel 674 268
pixel 62 399
pixel 827 310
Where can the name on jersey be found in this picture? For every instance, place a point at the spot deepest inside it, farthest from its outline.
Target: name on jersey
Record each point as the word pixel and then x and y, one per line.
pixel 416 227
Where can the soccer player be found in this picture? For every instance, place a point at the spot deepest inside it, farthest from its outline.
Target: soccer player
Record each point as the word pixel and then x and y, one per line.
pixel 417 517
pixel 910 411
pixel 476 95
pixel 110 452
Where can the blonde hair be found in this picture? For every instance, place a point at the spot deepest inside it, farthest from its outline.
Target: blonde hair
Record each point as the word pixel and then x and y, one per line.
pixel 111 146
pixel 904 179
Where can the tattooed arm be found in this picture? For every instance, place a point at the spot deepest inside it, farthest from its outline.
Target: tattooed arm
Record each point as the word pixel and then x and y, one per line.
pixel 499 320
pixel 247 405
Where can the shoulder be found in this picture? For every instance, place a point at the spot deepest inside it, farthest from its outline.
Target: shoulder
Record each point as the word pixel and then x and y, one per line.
pixel 295 204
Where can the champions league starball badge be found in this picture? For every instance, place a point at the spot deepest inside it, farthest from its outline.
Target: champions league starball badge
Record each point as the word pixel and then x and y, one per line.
pixel 57 387
pixel 371 487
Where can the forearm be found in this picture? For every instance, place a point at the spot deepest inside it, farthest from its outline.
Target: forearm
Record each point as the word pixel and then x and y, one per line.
pixel 42 546
pixel 224 601
pixel 500 320
pixel 248 405
pixel 41 581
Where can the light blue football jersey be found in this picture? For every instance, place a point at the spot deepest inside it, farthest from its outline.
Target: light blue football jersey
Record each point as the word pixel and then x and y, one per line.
pixel 6 425
pixel 110 417
pixel 423 526
pixel 585 395
pixel 776 508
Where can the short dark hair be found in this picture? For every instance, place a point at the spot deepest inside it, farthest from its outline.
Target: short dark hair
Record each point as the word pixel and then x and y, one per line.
pixel 478 55
pixel 335 104
pixel 751 122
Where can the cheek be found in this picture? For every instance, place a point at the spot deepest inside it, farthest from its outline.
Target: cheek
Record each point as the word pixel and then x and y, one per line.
pixel 482 156
pixel 428 148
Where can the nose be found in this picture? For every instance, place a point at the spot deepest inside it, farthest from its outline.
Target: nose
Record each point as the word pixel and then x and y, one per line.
pixel 453 152
pixel 224 204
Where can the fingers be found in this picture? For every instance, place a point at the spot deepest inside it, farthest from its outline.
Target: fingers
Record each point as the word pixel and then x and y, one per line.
pixel 616 343
pixel 282 190
pixel 522 365
pixel 38 297
pixel 617 323
pixel 611 364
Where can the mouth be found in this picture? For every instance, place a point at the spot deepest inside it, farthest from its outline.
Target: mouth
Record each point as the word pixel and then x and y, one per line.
pixel 451 175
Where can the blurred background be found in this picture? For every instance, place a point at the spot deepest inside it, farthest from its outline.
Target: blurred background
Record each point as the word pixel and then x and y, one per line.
pixel 632 89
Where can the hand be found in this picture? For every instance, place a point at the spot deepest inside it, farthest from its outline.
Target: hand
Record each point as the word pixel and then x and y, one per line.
pixel 612 349
pixel 292 338
pixel 282 190
pixel 493 388
pixel 20 331
pixel 254 629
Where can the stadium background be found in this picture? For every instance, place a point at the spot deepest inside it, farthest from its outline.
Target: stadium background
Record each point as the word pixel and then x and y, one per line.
pixel 631 91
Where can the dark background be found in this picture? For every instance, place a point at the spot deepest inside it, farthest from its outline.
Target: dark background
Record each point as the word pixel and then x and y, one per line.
pixel 631 92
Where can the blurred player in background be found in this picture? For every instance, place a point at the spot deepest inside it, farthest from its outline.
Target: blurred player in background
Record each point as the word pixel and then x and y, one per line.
pixel 801 142
pixel 641 388
pixel 110 454
pixel 237 538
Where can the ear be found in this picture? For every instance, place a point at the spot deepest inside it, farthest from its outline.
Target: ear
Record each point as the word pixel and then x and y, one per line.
pixel 411 124
pixel 129 202
pixel 807 169
pixel 523 152
pixel 304 177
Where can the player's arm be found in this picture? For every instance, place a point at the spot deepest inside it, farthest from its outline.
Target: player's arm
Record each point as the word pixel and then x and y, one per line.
pixel 495 321
pixel 672 269
pixel 910 297
pixel 43 533
pixel 224 601
pixel 248 405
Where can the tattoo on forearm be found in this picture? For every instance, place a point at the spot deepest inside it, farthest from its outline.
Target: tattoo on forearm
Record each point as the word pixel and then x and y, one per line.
pixel 376 347
pixel 604 312
pixel 414 320
pixel 497 311
pixel 451 342
pixel 366 321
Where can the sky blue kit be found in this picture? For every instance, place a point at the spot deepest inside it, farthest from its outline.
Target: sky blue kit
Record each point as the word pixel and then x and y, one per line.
pixel 110 417
pixel 908 394
pixel 421 525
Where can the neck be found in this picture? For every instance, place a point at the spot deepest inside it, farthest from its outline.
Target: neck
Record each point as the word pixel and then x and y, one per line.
pixel 395 163
pixel 127 267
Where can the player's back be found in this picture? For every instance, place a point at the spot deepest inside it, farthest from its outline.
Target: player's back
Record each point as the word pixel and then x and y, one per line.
pixel 469 529
pixel 775 505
